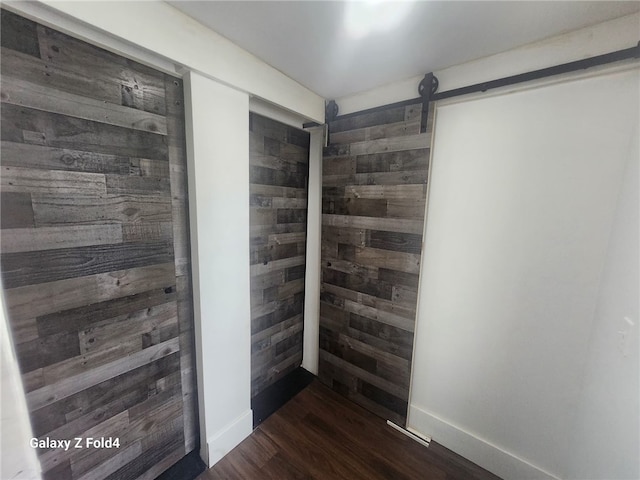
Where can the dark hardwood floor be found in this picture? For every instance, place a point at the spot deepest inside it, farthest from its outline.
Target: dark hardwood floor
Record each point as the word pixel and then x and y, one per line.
pixel 321 435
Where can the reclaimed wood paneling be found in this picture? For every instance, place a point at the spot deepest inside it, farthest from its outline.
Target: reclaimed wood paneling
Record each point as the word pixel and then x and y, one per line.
pixel 279 163
pixel 94 253
pixel 373 201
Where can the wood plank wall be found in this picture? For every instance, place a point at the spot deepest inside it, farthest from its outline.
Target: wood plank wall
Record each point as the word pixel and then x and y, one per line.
pixel 374 185
pixel 279 163
pixel 95 253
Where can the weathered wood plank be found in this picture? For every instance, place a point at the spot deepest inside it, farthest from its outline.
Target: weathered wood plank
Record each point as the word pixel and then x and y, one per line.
pixel 399 278
pixel 146 232
pixel 34 69
pixel 377 132
pixel 19 33
pixel 137 185
pixel 82 317
pixel 109 466
pixel 280 202
pixel 373 223
pixel 142 85
pixel 366 207
pixel 377 178
pixel 262 127
pixel 395 241
pixel 24 93
pixel 41 352
pixel 109 427
pixel 339 165
pixel 23 330
pixel 358 283
pixel 381 316
pixel 291 215
pixel 131 388
pixel 405 160
pixel 268 253
pixel 74 384
pixel 351 268
pixel 393 144
pixel 49 158
pixel 103 343
pixel 404 295
pixel 389 192
pixel 349 236
pixel 52 210
pixel 16 210
pixel 36 300
pixel 380 117
pixel 383 344
pixel 275 162
pixel 31 268
pixel 270 176
pixel 56 130
pixel 341 294
pixel 395 335
pixel 51 182
pixel 278 191
pixel 406 208
pixel 371 378
pixel 285 238
pixel 260 269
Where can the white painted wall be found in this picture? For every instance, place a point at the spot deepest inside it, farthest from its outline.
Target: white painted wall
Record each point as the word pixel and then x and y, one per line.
pixel 217 122
pixel 587 42
pixel 605 438
pixel 18 460
pixel 311 345
pixel 523 194
pixel 139 29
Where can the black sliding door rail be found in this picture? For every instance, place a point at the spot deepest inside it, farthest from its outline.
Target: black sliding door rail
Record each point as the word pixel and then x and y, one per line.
pixel 430 95
pixel 617 56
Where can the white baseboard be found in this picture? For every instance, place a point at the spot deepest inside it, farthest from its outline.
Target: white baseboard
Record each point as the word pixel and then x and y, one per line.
pixel 227 438
pixel 479 451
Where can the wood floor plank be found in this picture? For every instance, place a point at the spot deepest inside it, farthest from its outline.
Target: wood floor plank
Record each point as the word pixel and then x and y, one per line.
pixel 321 435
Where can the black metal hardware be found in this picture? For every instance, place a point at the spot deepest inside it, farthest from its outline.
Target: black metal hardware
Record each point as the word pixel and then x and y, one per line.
pixel 330 111
pixel 628 53
pixel 426 88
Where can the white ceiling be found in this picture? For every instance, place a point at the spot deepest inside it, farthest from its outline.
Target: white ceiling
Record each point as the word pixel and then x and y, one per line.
pixel 310 41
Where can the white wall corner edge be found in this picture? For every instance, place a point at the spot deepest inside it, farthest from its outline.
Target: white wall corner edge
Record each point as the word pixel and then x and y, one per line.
pixel 228 437
pixel 475 449
pixel 311 346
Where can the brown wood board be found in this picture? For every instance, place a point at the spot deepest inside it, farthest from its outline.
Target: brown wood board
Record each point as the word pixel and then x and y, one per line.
pixel 95 253
pixel 375 174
